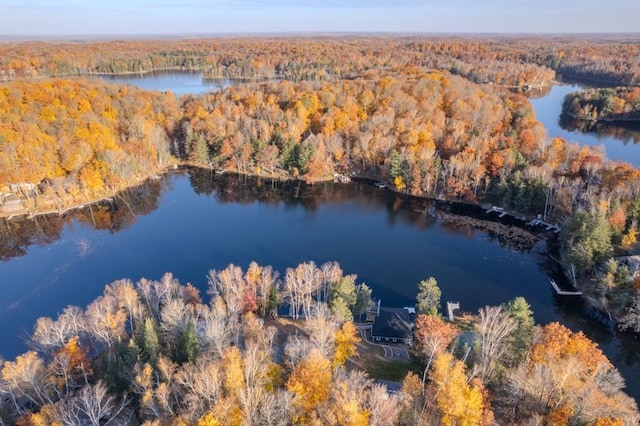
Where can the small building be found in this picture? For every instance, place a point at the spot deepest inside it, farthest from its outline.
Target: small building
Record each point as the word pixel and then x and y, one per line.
pixel 393 388
pixel 631 262
pixel 18 188
pixel 10 205
pixel 393 325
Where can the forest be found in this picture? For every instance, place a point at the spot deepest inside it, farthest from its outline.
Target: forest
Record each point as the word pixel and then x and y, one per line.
pixel 142 352
pixel 611 104
pixel 507 61
pixel 443 118
pixel 79 138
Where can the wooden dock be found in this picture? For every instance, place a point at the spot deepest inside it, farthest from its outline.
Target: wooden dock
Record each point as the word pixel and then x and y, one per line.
pixel 496 209
pixel 450 308
pixel 563 292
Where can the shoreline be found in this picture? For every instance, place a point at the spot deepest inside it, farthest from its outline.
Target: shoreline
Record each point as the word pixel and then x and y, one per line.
pixel 619 121
pixel 245 79
pixel 35 211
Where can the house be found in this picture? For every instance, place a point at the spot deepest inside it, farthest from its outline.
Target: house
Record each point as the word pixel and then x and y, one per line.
pixel 394 325
pixel 631 262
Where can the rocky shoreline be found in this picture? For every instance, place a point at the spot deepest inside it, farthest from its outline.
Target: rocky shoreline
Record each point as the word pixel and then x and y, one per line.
pixel 512 235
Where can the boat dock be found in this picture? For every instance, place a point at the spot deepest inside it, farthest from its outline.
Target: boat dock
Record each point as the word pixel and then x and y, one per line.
pixel 451 306
pixel 497 210
pixel 549 226
pixel 563 292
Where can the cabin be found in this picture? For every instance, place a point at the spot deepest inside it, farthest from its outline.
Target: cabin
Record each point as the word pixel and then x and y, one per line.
pixel 394 325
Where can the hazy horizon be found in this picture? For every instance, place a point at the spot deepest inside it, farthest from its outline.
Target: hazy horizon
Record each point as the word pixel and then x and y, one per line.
pixel 38 19
pixel 295 34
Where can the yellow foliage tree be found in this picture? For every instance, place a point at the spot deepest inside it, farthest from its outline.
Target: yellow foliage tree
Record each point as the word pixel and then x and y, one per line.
pixel 310 382
pixel 209 420
pixel 458 402
pixel 233 371
pixel 630 238
pixel 345 343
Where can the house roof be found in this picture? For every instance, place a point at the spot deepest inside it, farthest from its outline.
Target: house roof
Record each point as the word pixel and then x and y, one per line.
pixel 392 323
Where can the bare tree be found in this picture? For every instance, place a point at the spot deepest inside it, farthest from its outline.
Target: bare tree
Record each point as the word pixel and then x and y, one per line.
pixel 174 318
pixel 322 327
pixel 156 293
pixel 269 279
pixel 216 328
pixel 229 284
pixel 92 405
pixel 104 320
pixel 200 385
pixel 493 329
pixel 250 399
pixel 331 273
pixel 300 284
pixel 127 297
pixel 26 381
pixel 275 409
pixel 296 348
pixel 256 362
pixel 383 408
pixel 49 335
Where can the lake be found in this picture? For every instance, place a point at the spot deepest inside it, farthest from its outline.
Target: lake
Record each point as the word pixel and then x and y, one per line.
pixel 192 221
pixel 189 222
pixel 170 226
pixel 619 143
pixel 180 83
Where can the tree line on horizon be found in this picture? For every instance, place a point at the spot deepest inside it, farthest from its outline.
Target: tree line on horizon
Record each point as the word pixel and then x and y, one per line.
pixel 507 61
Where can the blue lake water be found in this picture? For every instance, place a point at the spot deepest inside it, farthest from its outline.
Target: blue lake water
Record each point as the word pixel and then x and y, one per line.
pixel 619 144
pixel 180 83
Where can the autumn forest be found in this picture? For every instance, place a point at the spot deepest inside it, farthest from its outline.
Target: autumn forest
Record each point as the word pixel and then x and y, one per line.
pixel 439 118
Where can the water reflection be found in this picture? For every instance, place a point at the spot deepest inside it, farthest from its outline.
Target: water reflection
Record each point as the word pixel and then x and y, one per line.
pixel 619 142
pixel 626 132
pixel 18 234
pixel 180 83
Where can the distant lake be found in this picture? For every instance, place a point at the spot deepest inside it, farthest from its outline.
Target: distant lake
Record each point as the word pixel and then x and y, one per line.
pixel 619 143
pixel 180 83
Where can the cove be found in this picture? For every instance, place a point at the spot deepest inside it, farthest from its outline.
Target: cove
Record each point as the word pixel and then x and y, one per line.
pixel 619 143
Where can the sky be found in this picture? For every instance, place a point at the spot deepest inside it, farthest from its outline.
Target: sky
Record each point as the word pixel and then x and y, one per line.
pixel 38 18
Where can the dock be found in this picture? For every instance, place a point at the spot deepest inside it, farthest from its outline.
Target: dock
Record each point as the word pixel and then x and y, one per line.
pixel 547 225
pixel 451 306
pixel 563 292
pixel 496 209
pixel 535 222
